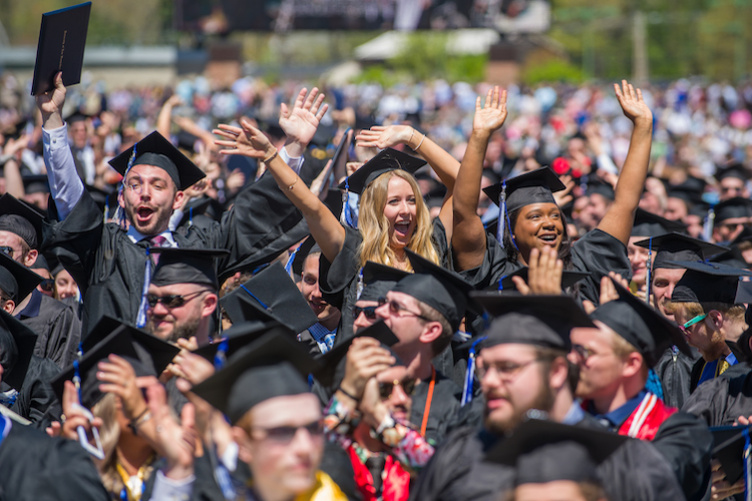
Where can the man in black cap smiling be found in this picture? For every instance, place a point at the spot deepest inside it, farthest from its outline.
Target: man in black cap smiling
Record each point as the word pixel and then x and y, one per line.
pixel 732 181
pixel 731 216
pixel 108 261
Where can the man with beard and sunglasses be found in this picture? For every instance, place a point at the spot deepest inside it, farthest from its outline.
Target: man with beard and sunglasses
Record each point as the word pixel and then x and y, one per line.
pixel 524 372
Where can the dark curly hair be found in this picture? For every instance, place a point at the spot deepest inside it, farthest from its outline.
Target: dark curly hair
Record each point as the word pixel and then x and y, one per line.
pixel 565 248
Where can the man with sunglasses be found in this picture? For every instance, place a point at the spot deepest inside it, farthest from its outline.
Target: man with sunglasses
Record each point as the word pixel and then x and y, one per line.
pixel 56 323
pixel 704 304
pixel 524 372
pixel 731 217
pixel 732 181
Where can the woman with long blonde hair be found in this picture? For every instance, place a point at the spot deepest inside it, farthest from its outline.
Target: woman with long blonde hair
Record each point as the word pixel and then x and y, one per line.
pixel 392 215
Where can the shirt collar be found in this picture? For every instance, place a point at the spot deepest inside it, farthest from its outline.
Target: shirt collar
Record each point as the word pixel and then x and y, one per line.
pixel 33 306
pixel 575 414
pixel 617 416
pixel 137 236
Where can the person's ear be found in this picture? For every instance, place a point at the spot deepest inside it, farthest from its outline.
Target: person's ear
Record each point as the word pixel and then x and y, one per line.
pixel 31 258
pixel 241 438
pixel 9 306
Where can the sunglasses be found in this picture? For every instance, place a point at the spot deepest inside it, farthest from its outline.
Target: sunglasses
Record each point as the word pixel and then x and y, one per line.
pixel 395 308
pixel 6 249
pixel 283 435
pixel 408 386
pixel 368 311
pixel 171 300
pixel 693 321
pixel 47 284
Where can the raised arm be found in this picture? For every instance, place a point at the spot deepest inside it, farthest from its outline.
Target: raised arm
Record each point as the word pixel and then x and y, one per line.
pixel 443 164
pixel 619 218
pixel 164 119
pixel 469 237
pixel 249 141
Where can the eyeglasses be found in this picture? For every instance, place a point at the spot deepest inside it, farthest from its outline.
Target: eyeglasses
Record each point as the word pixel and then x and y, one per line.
pixel 47 285
pixel 506 371
pixel 408 386
pixel 582 352
pixel 693 321
pixel 395 308
pixel 171 300
pixel 283 435
pixel 368 311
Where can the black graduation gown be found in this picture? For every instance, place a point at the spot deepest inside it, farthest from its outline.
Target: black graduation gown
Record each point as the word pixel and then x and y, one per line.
pixel 457 472
pixel 596 252
pixel 720 401
pixel 36 401
pixel 732 372
pixel 57 325
pixel 444 413
pixel 34 466
pixel 109 268
pixel 673 370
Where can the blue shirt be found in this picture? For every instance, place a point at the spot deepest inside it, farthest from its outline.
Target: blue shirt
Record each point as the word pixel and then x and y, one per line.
pixel 323 336
pixel 616 417
pixel 708 372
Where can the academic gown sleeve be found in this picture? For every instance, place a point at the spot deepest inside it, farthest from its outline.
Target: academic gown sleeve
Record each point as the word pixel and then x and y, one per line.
pixel 34 466
pixel 673 370
pixel 36 401
pixel 720 401
pixel 495 265
pixel 685 441
pixel 598 253
pixel 59 331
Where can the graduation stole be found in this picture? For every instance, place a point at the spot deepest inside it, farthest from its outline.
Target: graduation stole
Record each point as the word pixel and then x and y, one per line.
pixel 644 422
pixel 396 485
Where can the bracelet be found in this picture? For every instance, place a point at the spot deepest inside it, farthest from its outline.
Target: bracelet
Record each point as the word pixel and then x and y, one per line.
pixel 289 188
pixel 421 142
pixel 274 155
pixel 139 420
pixel 347 394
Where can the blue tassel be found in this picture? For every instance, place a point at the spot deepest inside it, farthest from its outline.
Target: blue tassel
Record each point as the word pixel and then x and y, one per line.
pixel 653 384
pixel 221 357
pixel 502 214
pixel 649 278
pixel 747 447
pixel 254 297
pixel 467 391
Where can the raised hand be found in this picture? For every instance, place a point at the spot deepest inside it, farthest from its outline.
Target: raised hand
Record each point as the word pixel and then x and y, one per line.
pixel 365 359
pixel 382 137
pixel 51 103
pixel 175 441
pixel 632 104
pixel 245 140
pixel 544 273
pixel 564 196
pixel 493 113
pixel 300 123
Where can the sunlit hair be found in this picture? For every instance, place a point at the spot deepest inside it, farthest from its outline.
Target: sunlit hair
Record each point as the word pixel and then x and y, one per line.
pixel 374 226
pixel 735 313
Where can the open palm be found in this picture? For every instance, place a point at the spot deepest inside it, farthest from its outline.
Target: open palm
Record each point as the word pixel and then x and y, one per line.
pixel 300 123
pixel 246 140
pixel 493 113
pixel 631 102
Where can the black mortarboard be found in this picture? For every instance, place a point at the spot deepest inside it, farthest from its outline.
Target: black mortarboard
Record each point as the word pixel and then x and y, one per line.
pixel 270 295
pixel 743 293
pixel 545 451
pixel 733 208
pixel 378 279
pixel 16 216
pixel 16 280
pixel 41 263
pixel 271 127
pixel 690 190
pixel 568 278
pixel 241 335
pixel 155 150
pixel 331 359
pixel 36 184
pixel 76 116
pixel 17 344
pixel 647 224
pixel 535 320
pixel 147 354
pixel 305 249
pixel 385 161
pixel 186 266
pixel 735 170
pixel 673 247
pixel 641 325
pixel 707 283
pixel 732 257
pixel 533 187
pixel 441 289
pixel 598 186
pixel 103 198
pixel 728 448
pixel 272 366
pixel 61 32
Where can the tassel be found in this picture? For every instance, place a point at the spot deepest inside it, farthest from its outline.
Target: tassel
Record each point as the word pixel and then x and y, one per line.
pixel 120 213
pixel 288 264
pixel 467 391
pixel 345 217
pixel 502 214
pixel 707 229
pixel 649 265
pixel 221 357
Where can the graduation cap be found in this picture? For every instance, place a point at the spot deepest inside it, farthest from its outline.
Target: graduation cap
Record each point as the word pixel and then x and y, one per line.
pixel 733 208
pixel 41 263
pixel 239 336
pixel 378 279
pixel 735 170
pixel 155 150
pixel 728 448
pixel 732 257
pixel 545 451
pixel 385 161
pixel 186 266
pixel 306 248
pixel 536 320
pixel 647 224
pixel 36 184
pixel 147 354
pixel 330 360
pixel 441 289
pixel 673 247
pixel 707 283
pixel 270 295
pixel 598 186
pixel 272 366
pixel 76 116
pixel 17 344
pixel 641 325
pixel 103 198
pixel 16 280
pixel 568 278
pixel 271 127
pixel 533 187
pixel 16 216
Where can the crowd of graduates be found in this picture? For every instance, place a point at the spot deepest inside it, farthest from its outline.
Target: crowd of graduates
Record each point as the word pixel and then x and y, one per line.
pixel 429 292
